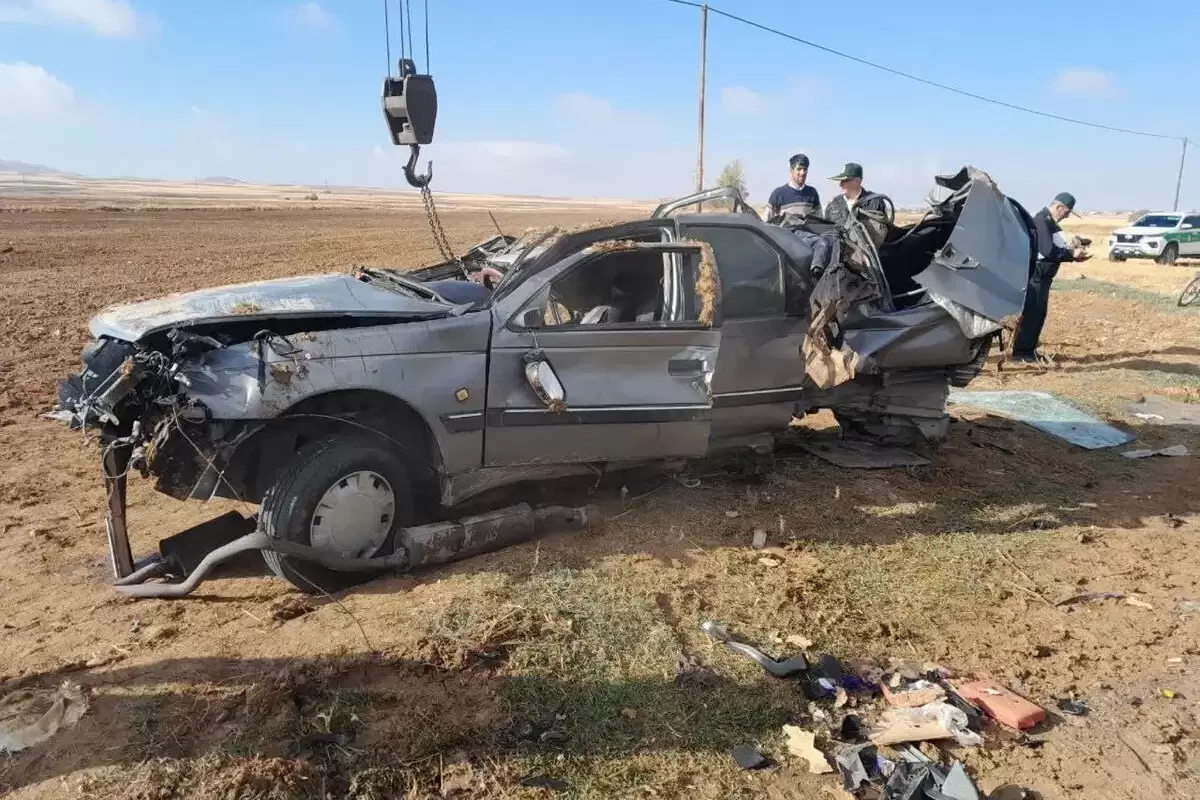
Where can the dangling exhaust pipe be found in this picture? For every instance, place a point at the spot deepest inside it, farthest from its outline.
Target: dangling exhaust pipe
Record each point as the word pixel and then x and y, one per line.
pixel 416 548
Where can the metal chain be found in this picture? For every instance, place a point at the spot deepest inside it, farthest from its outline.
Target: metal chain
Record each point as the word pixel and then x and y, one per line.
pixel 435 225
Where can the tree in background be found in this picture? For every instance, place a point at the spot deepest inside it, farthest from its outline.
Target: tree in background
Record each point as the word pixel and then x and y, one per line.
pixel 733 175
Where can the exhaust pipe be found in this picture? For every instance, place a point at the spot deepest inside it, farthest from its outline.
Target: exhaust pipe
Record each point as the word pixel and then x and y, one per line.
pixel 417 547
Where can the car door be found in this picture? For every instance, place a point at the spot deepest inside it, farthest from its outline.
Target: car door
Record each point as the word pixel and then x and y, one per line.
pixel 606 356
pixel 760 372
pixel 1189 238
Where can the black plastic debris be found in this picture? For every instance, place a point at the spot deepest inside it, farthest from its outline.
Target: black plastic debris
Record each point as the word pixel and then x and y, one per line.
pixel 909 782
pixel 852 764
pixel 1076 708
pixel 852 729
pixel 817 688
pixel 749 757
pixel 830 668
pixel 861 766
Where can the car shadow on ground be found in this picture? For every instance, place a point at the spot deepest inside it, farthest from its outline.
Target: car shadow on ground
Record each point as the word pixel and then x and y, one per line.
pixel 338 719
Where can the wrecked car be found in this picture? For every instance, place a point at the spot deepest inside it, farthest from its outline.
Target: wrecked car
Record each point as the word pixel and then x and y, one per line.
pixel 348 406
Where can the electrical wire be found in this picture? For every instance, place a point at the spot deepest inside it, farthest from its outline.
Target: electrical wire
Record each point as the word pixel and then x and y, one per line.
pixel 917 78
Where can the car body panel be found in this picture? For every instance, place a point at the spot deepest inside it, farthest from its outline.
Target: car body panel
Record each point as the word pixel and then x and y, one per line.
pixel 984 267
pixel 298 297
pixel 630 391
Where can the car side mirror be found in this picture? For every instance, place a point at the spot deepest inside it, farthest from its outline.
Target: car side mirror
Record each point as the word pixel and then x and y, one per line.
pixel 544 381
pixel 530 318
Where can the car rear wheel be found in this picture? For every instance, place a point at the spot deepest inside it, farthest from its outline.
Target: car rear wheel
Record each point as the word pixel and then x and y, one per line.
pixel 1170 255
pixel 344 494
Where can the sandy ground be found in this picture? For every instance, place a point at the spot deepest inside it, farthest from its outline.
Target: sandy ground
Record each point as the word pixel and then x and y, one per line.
pixel 409 686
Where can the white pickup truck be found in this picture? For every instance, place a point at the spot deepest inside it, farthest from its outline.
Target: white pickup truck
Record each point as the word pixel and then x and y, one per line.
pixel 1165 236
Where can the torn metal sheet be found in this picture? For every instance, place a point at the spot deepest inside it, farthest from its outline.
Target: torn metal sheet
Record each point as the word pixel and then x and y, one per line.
pixel 985 265
pixel 1047 413
pixel 855 454
pixel 1166 412
pixel 29 717
pixel 1174 451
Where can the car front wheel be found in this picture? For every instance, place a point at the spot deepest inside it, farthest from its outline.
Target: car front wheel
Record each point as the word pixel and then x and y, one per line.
pixel 346 495
pixel 1170 255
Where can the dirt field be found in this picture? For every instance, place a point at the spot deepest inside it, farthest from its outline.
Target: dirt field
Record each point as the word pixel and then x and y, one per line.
pixel 419 686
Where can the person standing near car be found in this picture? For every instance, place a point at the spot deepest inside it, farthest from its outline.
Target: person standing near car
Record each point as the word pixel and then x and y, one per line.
pixel 796 192
pixel 853 195
pixel 1053 250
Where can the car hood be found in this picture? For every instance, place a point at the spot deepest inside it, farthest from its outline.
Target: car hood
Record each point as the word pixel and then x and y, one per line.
pixel 1143 231
pixel 307 296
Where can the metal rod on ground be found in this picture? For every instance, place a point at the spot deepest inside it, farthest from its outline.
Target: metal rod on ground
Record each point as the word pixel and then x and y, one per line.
pixel 703 83
pixel 1179 180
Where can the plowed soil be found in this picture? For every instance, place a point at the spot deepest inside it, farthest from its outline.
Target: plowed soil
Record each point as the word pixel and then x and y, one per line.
pixel 412 686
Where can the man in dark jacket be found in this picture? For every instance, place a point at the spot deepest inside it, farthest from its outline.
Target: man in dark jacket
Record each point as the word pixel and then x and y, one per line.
pixel 1053 249
pixel 796 193
pixel 853 195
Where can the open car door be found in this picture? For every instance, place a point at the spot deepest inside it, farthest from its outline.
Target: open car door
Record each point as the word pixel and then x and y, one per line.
pixel 606 356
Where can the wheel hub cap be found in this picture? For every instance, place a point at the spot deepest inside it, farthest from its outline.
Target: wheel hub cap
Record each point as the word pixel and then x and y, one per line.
pixel 354 515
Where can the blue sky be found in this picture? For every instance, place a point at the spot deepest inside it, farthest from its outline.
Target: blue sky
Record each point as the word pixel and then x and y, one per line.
pixel 597 98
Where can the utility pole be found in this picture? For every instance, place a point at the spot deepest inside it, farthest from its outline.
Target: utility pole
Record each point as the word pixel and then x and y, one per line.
pixel 1179 180
pixel 703 82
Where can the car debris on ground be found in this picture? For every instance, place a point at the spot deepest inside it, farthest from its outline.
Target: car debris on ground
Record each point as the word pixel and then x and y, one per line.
pixel 872 724
pixel 1047 413
pixel 1174 451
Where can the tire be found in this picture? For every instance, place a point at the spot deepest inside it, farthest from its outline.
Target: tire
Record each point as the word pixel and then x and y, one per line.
pixel 290 504
pixel 1116 258
pixel 1190 292
pixel 1170 255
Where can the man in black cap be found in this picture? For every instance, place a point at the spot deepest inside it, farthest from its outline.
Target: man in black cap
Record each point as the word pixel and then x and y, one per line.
pixel 853 195
pixel 1053 249
pixel 796 192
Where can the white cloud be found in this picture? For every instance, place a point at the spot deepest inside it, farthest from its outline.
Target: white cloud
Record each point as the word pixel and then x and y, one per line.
pixel 1086 81
pixel 313 15
pixel 28 92
pixel 740 100
pixel 106 17
pixel 584 108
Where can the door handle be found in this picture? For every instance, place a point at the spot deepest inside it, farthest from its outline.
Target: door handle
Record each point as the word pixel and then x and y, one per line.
pixel 685 366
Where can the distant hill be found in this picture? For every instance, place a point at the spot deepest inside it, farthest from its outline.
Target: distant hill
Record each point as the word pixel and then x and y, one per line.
pixel 221 180
pixel 22 168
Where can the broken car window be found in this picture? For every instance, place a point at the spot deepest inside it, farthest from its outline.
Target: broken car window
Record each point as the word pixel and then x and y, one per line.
pixel 751 270
pixel 628 287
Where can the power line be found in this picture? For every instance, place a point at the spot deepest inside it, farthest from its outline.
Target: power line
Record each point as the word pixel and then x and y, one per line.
pixel 917 78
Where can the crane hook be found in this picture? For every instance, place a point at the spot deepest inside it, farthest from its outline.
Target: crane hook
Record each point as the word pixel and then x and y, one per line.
pixel 410 169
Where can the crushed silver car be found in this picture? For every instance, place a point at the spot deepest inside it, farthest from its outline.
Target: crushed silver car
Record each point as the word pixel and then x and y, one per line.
pixel 356 408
